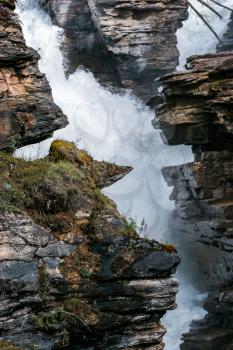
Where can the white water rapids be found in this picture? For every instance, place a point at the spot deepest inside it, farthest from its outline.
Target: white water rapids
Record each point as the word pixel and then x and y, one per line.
pixel 118 128
pixel 194 37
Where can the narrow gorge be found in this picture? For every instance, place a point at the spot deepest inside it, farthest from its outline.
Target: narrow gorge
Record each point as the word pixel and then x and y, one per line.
pixel 93 254
pixel 71 266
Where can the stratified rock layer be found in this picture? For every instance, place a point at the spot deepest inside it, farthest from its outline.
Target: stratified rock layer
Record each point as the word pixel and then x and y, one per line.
pixel 27 111
pixel 198 111
pixel 127 43
pixel 198 108
pixel 73 273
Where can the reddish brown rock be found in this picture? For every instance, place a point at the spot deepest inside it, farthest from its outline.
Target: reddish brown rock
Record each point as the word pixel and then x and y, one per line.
pixel 27 111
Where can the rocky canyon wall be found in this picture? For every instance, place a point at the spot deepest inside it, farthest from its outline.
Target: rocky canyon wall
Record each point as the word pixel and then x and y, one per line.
pixel 198 111
pixel 125 43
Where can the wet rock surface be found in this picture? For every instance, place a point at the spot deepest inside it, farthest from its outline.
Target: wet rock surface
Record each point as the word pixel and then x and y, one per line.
pixel 198 111
pixel 27 111
pixel 125 43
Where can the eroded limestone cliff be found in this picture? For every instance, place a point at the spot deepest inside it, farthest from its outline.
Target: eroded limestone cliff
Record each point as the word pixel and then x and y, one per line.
pixel 126 43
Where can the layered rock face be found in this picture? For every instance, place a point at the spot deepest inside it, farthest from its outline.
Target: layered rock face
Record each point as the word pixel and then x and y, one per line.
pixel 27 111
pixel 198 111
pixel 81 45
pixel 74 274
pixel 126 43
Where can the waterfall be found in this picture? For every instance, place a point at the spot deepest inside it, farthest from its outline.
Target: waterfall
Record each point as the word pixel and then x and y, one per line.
pixel 114 128
pixel 194 37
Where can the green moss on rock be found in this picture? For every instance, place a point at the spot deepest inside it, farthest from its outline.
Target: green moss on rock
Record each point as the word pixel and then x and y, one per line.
pixel 52 190
pixel 6 345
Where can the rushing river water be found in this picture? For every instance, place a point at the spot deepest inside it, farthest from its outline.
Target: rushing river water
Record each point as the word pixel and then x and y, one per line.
pixel 118 128
pixel 194 37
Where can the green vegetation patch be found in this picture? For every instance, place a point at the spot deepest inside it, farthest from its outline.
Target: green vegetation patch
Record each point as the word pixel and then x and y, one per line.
pixel 6 345
pixel 45 185
pixel 53 189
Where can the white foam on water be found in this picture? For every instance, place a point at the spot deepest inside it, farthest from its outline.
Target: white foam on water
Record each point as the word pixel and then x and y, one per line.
pixel 189 308
pixel 116 128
